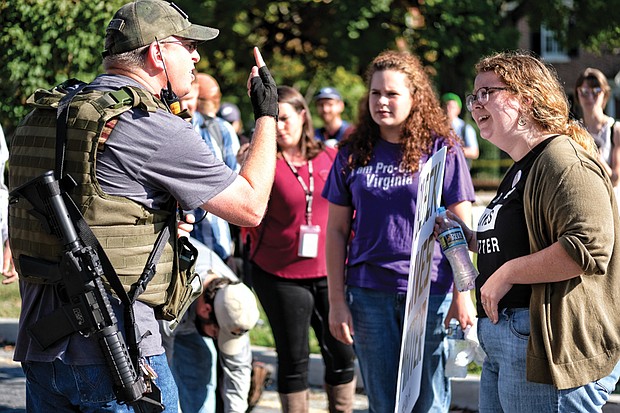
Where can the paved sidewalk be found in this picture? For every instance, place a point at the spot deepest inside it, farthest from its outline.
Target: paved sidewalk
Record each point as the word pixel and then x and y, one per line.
pixel 13 393
pixel 12 383
pixel 270 402
pixel 464 391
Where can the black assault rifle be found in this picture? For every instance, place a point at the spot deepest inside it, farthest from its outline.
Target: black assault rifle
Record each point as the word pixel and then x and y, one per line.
pixel 87 309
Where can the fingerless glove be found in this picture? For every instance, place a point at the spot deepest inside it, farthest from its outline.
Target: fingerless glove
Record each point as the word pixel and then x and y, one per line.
pixel 264 94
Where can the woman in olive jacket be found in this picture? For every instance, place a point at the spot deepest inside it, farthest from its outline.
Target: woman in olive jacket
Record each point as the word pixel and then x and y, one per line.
pixel 548 249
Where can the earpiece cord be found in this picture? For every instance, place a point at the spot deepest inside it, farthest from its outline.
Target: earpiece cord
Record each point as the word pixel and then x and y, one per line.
pixel 167 94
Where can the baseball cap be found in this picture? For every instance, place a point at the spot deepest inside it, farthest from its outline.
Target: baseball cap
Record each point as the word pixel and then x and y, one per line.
pixel 452 96
pixel 328 93
pixel 236 311
pixel 139 23
pixel 229 112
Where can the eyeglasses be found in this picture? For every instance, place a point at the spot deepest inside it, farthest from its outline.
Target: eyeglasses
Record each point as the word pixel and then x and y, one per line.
pixel 481 96
pixel 587 92
pixel 190 45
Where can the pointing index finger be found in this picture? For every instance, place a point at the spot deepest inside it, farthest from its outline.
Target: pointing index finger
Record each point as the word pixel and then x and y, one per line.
pixel 258 57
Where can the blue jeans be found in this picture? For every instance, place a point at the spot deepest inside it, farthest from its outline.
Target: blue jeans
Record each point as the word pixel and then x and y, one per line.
pixel 503 386
pixel 378 325
pixel 194 366
pixel 58 387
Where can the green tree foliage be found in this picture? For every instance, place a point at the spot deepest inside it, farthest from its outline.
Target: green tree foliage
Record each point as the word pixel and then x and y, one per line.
pixel 451 36
pixel 590 24
pixel 45 42
pixel 307 43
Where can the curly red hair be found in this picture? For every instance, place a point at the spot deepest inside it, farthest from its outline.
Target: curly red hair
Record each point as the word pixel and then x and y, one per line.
pixel 425 123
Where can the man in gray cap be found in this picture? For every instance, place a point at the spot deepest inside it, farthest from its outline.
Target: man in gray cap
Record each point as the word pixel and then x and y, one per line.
pixel 219 317
pixel 329 105
pixel 134 161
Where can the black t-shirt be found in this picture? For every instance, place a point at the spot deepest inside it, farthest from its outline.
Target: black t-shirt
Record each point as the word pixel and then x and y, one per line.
pixel 502 232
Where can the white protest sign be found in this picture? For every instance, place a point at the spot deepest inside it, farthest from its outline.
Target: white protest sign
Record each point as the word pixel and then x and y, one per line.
pixel 412 345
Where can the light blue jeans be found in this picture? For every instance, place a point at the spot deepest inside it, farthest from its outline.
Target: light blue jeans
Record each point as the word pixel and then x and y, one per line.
pixel 503 387
pixel 378 325
pixel 62 388
pixel 194 366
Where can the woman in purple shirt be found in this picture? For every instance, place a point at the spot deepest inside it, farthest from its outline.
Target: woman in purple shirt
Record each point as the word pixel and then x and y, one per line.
pixel 372 190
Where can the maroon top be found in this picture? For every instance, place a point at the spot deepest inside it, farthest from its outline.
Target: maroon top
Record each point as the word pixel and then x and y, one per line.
pixel 274 244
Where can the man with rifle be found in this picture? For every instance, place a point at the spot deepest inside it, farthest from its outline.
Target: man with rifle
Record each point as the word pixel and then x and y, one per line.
pixel 98 173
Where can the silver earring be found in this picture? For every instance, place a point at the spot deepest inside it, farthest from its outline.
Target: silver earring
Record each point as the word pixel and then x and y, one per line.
pixel 522 121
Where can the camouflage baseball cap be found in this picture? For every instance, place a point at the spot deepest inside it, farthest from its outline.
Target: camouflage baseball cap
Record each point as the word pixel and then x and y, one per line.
pixel 139 23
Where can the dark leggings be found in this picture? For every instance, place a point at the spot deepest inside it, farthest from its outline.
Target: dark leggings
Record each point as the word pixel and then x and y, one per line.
pixel 292 306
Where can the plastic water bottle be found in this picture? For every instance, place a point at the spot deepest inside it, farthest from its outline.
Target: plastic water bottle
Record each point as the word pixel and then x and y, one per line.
pixel 454 246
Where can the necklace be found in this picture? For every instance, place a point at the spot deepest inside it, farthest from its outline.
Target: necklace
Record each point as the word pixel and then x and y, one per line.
pixel 297 159
pixel 598 132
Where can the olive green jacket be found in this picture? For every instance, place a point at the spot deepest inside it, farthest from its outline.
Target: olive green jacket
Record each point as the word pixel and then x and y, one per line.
pixel 575 324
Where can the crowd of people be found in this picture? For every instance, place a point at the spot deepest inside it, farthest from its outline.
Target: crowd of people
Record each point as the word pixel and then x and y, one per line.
pixel 315 223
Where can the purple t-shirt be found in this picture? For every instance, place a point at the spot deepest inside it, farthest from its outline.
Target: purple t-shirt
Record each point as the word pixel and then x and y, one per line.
pixel 383 197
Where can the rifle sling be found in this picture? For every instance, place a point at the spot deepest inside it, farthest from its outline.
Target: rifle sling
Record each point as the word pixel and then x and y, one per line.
pixel 89 239
pixel 62 117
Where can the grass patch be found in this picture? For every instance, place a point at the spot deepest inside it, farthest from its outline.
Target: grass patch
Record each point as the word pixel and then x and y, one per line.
pixel 474 368
pixel 10 306
pixel 10 302
pixel 261 334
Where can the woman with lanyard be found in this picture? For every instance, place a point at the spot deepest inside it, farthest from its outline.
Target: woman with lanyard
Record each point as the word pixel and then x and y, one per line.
pixel 289 274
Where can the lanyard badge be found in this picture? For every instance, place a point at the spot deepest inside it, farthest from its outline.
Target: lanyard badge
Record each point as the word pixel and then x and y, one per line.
pixel 308 234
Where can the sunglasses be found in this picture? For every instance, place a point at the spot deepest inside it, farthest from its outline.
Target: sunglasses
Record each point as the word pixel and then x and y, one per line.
pixel 587 92
pixel 190 45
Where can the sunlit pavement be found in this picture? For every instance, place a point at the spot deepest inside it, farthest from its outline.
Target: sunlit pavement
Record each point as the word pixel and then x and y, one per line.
pixel 464 391
pixel 13 393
